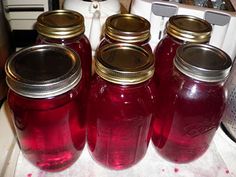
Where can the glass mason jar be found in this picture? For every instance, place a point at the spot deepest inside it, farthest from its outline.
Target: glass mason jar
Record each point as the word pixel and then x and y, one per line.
pixel 229 117
pixel 121 105
pixel 191 112
pixel 66 27
pixel 180 29
pixel 45 99
pixel 127 28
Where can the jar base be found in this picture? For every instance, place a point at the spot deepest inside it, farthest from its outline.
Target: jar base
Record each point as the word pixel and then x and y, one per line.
pixel 118 166
pixel 52 163
pixel 175 155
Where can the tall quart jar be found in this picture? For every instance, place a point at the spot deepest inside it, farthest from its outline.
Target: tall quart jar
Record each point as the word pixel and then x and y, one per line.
pixel 45 101
pixel 229 117
pixel 121 105
pixel 191 112
pixel 66 27
pixel 127 28
pixel 180 29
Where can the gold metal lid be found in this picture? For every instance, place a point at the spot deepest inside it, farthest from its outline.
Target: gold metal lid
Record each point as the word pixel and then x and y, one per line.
pixel 60 24
pixel 189 28
pixel 127 28
pixel 124 64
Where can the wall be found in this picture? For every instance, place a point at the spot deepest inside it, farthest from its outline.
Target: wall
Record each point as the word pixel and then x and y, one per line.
pixel 124 3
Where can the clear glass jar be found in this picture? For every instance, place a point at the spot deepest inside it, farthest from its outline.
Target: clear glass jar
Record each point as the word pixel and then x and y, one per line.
pixel 191 112
pixel 45 101
pixel 121 105
pixel 127 28
pixel 180 29
pixel 229 117
pixel 66 27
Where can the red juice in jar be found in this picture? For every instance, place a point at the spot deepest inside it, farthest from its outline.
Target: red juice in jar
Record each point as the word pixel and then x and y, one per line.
pixel 66 27
pixel 180 29
pixel 194 102
pixel 45 101
pixel 121 106
pixel 127 28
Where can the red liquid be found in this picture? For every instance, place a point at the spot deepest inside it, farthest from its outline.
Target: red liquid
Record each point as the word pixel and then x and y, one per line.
pixel 82 46
pixel 164 56
pixel 51 131
pixel 119 122
pixel 187 118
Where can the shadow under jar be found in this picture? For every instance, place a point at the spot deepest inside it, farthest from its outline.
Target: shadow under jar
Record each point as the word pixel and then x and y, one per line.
pixel 194 102
pixel 121 106
pixel 45 99
pixel 66 27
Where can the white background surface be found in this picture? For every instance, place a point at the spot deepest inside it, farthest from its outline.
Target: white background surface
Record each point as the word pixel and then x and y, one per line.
pixel 218 161
pixel 209 165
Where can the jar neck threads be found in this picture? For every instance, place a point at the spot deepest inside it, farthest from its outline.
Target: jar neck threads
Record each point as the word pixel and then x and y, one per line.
pixel 60 24
pixel 203 62
pixel 124 64
pixel 189 28
pixel 127 28
pixel 43 71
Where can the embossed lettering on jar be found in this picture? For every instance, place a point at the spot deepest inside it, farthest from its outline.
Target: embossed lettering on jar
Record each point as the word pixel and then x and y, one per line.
pixel 127 28
pixel 191 112
pixel 66 27
pixel 121 105
pixel 45 99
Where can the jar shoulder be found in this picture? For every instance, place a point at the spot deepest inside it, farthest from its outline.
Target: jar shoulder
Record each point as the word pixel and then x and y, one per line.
pixel 16 101
pixel 191 89
pixel 80 40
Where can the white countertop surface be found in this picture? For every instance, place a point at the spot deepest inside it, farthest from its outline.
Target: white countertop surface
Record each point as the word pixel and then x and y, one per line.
pixel 218 161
